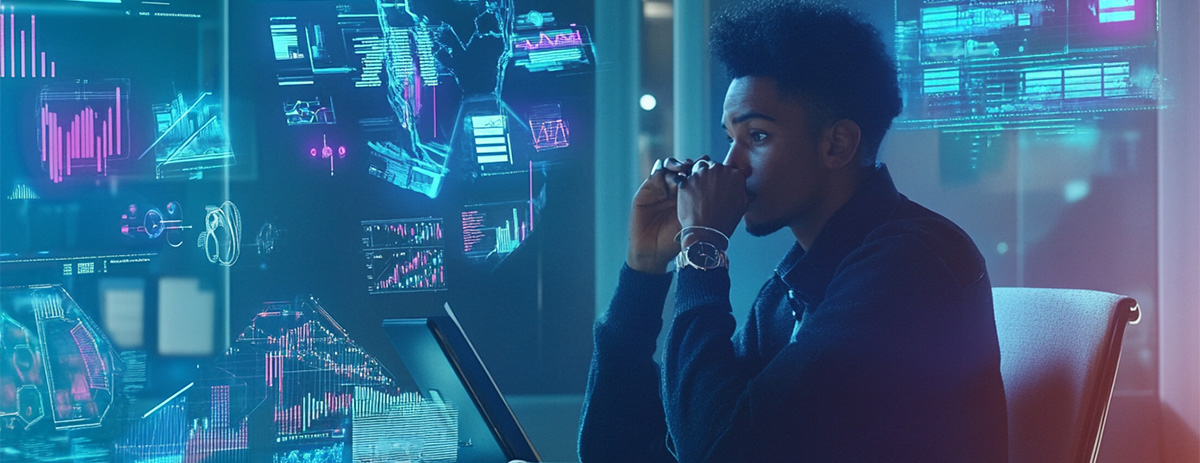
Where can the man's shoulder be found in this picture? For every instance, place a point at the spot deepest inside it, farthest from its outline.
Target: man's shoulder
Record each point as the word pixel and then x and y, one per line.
pixel 917 229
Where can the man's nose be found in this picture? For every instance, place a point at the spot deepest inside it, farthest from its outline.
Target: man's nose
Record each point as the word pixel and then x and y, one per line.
pixel 736 158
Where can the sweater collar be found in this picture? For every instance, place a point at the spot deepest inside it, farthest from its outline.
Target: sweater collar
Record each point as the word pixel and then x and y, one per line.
pixel 808 273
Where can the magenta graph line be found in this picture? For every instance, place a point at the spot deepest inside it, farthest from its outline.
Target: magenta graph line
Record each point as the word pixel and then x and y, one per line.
pixel 81 141
pixel 403 270
pixel 558 41
pixel 530 197
pixel 551 134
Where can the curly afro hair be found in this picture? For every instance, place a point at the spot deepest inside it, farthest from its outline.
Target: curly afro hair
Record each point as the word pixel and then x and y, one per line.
pixel 825 56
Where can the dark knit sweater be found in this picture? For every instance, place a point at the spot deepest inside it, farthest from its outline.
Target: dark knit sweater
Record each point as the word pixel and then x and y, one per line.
pixel 894 356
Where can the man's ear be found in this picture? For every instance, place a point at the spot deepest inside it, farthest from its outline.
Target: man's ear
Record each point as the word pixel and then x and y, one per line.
pixel 843 137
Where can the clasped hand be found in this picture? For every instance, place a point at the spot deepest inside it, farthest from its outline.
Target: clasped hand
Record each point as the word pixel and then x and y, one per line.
pixel 683 194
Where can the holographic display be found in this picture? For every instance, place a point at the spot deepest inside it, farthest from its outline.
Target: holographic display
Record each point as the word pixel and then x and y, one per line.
pixel 222 235
pixel 305 48
pixel 285 39
pixel 311 111
pixel 155 223
pixel 491 139
pixel 442 124
pixel 59 368
pixel 327 152
pixel 15 56
pixel 493 231
pixel 37 268
pixel 308 390
pixel 541 46
pixel 292 383
pixel 22 192
pixel 81 128
pixel 404 255
pixel 412 171
pixel 550 130
pixel 1033 64
pixel 191 138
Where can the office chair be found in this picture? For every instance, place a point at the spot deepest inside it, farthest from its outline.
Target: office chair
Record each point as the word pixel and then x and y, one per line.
pixel 1059 350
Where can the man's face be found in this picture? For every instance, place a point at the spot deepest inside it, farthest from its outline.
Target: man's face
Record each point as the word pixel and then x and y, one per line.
pixel 773 146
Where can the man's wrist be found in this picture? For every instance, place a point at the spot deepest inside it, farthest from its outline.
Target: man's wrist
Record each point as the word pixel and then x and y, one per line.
pixel 695 235
pixel 647 264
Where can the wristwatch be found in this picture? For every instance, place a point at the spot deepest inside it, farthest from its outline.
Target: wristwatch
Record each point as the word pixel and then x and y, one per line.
pixel 702 255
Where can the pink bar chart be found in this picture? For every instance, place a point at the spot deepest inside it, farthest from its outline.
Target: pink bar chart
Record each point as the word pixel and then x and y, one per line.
pixel 19 55
pixel 81 129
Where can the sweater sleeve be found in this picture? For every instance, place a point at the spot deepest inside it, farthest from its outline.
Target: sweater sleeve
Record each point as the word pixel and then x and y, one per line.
pixel 883 367
pixel 622 411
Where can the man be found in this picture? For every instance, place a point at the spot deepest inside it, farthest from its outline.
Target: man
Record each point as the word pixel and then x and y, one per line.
pixel 874 341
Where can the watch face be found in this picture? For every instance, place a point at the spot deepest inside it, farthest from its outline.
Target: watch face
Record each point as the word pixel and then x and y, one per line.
pixel 704 255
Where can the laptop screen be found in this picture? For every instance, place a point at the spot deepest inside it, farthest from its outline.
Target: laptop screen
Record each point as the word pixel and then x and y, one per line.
pixel 443 363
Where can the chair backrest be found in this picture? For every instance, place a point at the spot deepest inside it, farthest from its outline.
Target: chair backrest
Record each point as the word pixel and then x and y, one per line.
pixel 1059 350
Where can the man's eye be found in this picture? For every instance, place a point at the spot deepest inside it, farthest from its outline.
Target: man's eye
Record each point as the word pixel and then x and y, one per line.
pixel 729 139
pixel 758 136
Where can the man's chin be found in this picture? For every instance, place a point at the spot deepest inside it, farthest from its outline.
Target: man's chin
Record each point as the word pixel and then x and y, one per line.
pixel 762 229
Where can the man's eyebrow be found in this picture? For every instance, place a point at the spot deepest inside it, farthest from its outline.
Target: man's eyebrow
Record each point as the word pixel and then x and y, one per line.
pixel 748 116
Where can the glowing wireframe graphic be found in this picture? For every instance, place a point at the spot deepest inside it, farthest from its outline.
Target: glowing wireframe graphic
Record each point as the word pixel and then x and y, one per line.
pixel 23 379
pixel 22 192
pixel 408 61
pixel 81 128
pixel 550 130
pixel 327 152
pixel 1037 64
pixel 190 138
pixel 414 171
pixel 268 239
pixel 414 45
pixel 39 268
pixel 487 130
pixel 222 236
pixel 493 231
pixel 295 370
pixel 491 139
pixel 1111 11
pixel 285 38
pixel 330 454
pixel 308 112
pixel 58 363
pixel 155 223
pixel 189 426
pixel 405 270
pixel 561 39
pixel 324 58
pixel 306 50
pixel 404 427
pixel 370 50
pixel 36 61
pixel 540 46
pixel 379 234
pixel 404 255
pixel 162 434
pixel 134 380
pixel 424 72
